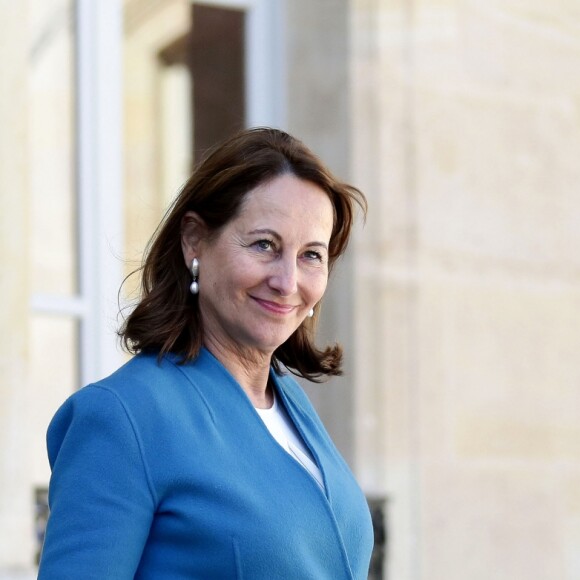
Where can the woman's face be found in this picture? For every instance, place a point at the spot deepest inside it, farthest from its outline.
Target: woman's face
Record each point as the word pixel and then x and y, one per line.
pixel 267 268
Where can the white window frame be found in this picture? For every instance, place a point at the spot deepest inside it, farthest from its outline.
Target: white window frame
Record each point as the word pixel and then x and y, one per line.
pixel 99 192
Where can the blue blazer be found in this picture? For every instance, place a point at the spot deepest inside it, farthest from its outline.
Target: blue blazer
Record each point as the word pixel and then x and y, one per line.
pixel 166 471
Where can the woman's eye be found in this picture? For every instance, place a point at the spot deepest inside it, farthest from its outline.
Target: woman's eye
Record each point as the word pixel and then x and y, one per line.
pixel 312 255
pixel 265 245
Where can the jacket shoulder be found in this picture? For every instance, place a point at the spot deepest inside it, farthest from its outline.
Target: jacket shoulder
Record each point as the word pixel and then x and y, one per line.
pixel 141 372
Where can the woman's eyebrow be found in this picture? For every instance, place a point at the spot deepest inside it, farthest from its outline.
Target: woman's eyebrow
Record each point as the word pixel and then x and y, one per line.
pixel 274 234
pixel 319 244
pixel 266 231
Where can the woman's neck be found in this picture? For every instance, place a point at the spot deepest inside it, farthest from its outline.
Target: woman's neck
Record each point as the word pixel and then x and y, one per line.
pixel 251 369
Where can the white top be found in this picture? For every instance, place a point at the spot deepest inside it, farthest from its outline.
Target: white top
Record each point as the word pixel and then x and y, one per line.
pixel 283 430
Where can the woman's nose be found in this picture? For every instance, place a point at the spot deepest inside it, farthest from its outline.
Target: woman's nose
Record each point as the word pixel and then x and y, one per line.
pixel 284 277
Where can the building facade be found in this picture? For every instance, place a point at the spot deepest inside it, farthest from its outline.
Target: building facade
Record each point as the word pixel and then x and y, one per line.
pixel 458 303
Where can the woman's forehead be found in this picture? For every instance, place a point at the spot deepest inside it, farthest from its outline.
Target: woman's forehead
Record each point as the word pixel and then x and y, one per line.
pixel 288 200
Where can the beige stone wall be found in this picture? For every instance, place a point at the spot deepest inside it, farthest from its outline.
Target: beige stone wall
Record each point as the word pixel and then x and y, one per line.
pixel 15 506
pixel 467 139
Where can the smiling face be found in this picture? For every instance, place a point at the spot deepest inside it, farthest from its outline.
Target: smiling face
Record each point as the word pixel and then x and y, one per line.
pixel 267 267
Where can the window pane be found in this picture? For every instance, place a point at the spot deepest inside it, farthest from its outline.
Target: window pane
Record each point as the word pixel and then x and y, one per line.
pixel 51 155
pixel 157 112
pixel 53 377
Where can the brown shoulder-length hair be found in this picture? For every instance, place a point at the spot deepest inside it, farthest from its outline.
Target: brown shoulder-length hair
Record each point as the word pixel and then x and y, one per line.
pixel 167 317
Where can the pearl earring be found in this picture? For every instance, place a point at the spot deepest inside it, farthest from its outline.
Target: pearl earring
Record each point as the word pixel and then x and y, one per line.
pixel 311 313
pixel 194 288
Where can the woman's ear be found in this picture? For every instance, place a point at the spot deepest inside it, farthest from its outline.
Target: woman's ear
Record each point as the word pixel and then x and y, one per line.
pixel 193 232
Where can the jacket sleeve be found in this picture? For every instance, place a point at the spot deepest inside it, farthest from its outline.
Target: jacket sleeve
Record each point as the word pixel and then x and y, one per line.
pixel 101 498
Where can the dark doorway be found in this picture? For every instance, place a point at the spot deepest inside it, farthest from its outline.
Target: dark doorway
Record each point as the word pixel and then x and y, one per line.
pixel 217 63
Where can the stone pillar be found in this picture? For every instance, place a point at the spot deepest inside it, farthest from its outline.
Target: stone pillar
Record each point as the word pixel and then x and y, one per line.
pixel 386 272
pixel 319 113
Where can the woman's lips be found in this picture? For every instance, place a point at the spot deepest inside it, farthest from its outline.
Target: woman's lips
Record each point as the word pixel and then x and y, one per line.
pixel 275 307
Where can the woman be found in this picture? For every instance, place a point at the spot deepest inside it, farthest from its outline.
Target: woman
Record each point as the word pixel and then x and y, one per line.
pixel 201 458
